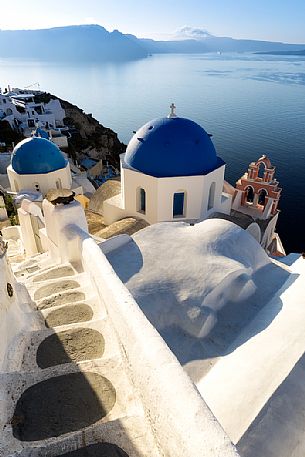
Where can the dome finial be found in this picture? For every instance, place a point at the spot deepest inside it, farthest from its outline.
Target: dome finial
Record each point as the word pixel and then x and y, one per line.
pixel 173 111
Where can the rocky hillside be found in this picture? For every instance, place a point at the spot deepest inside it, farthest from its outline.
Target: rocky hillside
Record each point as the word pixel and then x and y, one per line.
pixel 8 135
pixel 89 137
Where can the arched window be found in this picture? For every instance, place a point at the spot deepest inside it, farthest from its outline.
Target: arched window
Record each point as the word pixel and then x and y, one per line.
pixel 141 200
pixel 249 194
pixel 178 204
pixel 262 197
pixel 211 195
pixel 58 184
pixel 36 184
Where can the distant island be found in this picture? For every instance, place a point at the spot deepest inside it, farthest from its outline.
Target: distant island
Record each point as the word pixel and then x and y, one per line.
pixel 284 53
pixel 73 43
pixel 94 43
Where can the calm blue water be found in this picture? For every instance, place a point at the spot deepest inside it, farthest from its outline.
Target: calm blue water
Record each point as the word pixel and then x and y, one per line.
pixel 252 105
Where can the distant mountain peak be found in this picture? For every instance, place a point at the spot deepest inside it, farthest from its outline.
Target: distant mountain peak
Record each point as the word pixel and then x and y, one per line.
pixel 192 33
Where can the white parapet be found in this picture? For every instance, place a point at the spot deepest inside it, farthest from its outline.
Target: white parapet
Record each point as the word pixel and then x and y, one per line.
pixel 58 218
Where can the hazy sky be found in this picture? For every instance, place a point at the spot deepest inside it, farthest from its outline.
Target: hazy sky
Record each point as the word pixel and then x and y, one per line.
pixel 279 20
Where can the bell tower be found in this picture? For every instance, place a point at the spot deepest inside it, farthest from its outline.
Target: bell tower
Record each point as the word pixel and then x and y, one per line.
pixel 257 192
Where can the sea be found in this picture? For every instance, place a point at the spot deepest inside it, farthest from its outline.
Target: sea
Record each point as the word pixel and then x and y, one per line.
pixel 251 104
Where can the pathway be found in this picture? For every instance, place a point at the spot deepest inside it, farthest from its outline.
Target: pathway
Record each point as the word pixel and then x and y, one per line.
pixel 72 395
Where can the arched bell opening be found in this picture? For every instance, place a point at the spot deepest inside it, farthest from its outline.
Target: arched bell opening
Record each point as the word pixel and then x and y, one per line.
pixel 262 197
pixel 249 194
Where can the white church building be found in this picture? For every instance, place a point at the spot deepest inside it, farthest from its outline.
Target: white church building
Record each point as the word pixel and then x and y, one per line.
pixel 170 172
pixel 38 165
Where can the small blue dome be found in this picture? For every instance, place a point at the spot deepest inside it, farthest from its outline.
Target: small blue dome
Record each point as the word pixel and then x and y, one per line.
pixel 172 146
pixel 37 156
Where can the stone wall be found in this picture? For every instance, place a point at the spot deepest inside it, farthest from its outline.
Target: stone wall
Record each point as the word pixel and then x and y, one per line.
pixel 14 316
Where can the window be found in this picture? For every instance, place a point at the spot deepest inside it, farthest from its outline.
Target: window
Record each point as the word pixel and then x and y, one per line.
pixel 58 184
pixel 211 196
pixel 178 204
pixel 37 186
pixel 141 200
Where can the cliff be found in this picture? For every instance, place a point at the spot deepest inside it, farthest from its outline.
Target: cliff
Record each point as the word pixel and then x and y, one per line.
pixel 90 138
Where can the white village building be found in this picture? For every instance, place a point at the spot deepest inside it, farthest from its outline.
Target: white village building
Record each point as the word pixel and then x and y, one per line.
pixel 21 110
pixel 24 111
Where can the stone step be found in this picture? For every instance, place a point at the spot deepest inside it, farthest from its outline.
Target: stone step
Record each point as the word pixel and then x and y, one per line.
pixel 53 288
pixel 128 434
pixel 69 344
pixel 48 287
pixel 70 314
pixel 62 404
pixel 53 273
pixel 56 401
pixel 74 311
pixel 60 299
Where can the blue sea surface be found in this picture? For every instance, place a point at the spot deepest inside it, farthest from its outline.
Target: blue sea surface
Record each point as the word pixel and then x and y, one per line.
pixel 252 104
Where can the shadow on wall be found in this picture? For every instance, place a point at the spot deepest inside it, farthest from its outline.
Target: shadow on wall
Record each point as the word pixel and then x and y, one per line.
pixel 126 270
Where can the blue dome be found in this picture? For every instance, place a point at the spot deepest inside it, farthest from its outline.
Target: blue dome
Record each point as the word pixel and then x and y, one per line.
pixel 172 147
pixel 37 156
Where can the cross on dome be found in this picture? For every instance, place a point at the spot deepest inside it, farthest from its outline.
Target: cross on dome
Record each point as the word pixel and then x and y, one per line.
pixel 173 111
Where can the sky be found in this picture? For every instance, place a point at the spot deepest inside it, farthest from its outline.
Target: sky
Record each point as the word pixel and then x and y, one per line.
pixel 274 20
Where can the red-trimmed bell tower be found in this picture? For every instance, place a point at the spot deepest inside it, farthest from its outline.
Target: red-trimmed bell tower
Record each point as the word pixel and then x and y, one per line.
pixel 257 192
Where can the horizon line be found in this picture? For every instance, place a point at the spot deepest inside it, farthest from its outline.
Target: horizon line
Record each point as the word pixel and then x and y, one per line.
pixel 171 37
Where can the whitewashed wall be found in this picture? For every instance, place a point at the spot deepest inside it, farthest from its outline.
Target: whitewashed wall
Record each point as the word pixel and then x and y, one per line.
pixel 45 181
pixel 133 181
pixel 3 213
pixel 15 319
pixel 160 194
